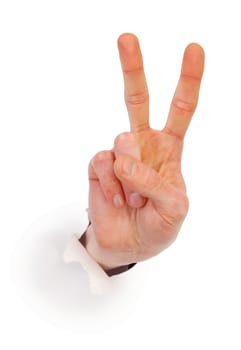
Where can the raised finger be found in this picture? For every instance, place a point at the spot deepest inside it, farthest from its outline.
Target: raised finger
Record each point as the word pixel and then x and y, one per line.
pixel 185 98
pixel 136 91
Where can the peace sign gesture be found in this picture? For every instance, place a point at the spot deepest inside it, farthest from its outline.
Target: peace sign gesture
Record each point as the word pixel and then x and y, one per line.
pixel 137 196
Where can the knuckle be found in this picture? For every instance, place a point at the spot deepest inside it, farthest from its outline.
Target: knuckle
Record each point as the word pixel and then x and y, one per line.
pixel 137 98
pixel 123 137
pixel 101 157
pixel 126 143
pixel 183 106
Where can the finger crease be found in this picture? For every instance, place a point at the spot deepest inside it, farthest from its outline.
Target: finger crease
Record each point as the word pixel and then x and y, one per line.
pixel 190 77
pixel 137 98
pixel 183 105
pixel 172 133
pixel 134 70
pixel 93 179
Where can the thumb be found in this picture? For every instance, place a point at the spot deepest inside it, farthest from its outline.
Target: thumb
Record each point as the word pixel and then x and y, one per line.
pixel 140 177
pixel 147 181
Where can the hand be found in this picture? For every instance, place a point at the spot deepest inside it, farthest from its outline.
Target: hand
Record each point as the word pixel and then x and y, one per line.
pixel 137 195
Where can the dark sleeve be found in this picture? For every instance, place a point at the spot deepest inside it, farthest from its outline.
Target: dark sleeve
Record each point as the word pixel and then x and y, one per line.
pixel 116 270
pixel 120 269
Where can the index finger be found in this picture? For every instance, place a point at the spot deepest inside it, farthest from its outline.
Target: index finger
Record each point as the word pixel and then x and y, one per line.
pixel 136 91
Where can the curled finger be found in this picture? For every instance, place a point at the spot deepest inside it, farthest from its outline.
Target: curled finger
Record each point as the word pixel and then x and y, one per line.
pixel 101 169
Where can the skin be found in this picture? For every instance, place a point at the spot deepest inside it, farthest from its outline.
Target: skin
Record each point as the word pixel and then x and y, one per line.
pixel 137 194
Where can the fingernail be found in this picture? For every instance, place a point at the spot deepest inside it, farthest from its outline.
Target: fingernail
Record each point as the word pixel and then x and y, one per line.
pixel 129 167
pixel 135 199
pixel 118 201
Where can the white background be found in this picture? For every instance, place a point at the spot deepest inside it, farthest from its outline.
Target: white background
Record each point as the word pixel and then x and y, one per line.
pixel 61 101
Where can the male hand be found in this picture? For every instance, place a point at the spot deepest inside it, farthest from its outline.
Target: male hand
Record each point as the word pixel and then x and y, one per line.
pixel 137 194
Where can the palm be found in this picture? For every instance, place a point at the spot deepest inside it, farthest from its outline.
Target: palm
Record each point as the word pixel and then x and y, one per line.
pixel 128 229
pixel 136 233
pixel 162 152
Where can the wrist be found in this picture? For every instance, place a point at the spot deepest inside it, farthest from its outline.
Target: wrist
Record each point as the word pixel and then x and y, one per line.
pixel 89 242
